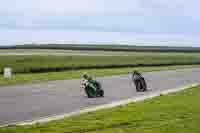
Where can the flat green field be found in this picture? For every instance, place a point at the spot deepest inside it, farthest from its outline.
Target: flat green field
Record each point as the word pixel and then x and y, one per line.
pixel 39 77
pixel 174 113
pixel 69 60
pixel 80 52
pixel 47 63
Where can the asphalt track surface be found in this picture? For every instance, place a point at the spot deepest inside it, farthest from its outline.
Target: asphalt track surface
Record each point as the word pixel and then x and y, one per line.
pixel 33 101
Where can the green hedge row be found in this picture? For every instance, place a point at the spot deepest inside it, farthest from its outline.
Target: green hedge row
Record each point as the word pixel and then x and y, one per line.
pixel 59 69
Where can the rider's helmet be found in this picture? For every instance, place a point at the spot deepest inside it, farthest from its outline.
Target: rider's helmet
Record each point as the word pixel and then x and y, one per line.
pixel 136 73
pixel 85 76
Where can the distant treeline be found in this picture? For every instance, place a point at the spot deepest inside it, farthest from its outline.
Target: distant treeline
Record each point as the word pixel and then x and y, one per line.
pixel 104 47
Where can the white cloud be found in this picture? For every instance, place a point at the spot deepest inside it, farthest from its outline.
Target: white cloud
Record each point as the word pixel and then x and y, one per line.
pixel 114 15
pixel 45 18
pixel 171 8
pixel 99 7
pixel 69 7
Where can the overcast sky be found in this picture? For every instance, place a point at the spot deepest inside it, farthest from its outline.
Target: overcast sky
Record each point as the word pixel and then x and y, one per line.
pixel 135 16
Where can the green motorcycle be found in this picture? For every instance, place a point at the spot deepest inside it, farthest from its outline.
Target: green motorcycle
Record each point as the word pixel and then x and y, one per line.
pixel 92 88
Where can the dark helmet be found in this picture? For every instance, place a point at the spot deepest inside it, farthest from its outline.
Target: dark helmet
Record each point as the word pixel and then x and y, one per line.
pixel 136 72
pixel 85 76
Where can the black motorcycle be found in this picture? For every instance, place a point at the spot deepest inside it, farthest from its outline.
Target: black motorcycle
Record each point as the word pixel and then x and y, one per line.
pixel 139 82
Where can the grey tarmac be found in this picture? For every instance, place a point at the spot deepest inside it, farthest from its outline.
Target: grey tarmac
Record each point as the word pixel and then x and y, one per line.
pixel 34 101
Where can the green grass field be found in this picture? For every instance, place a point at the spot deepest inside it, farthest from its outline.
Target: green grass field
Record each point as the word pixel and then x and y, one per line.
pixel 89 52
pixel 40 63
pixel 174 113
pixel 39 77
pixel 50 60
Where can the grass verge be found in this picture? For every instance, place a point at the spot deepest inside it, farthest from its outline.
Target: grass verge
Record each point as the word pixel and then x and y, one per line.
pixel 52 63
pixel 38 77
pixel 178 112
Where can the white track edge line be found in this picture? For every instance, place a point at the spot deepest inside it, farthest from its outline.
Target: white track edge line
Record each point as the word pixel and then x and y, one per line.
pixel 100 107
